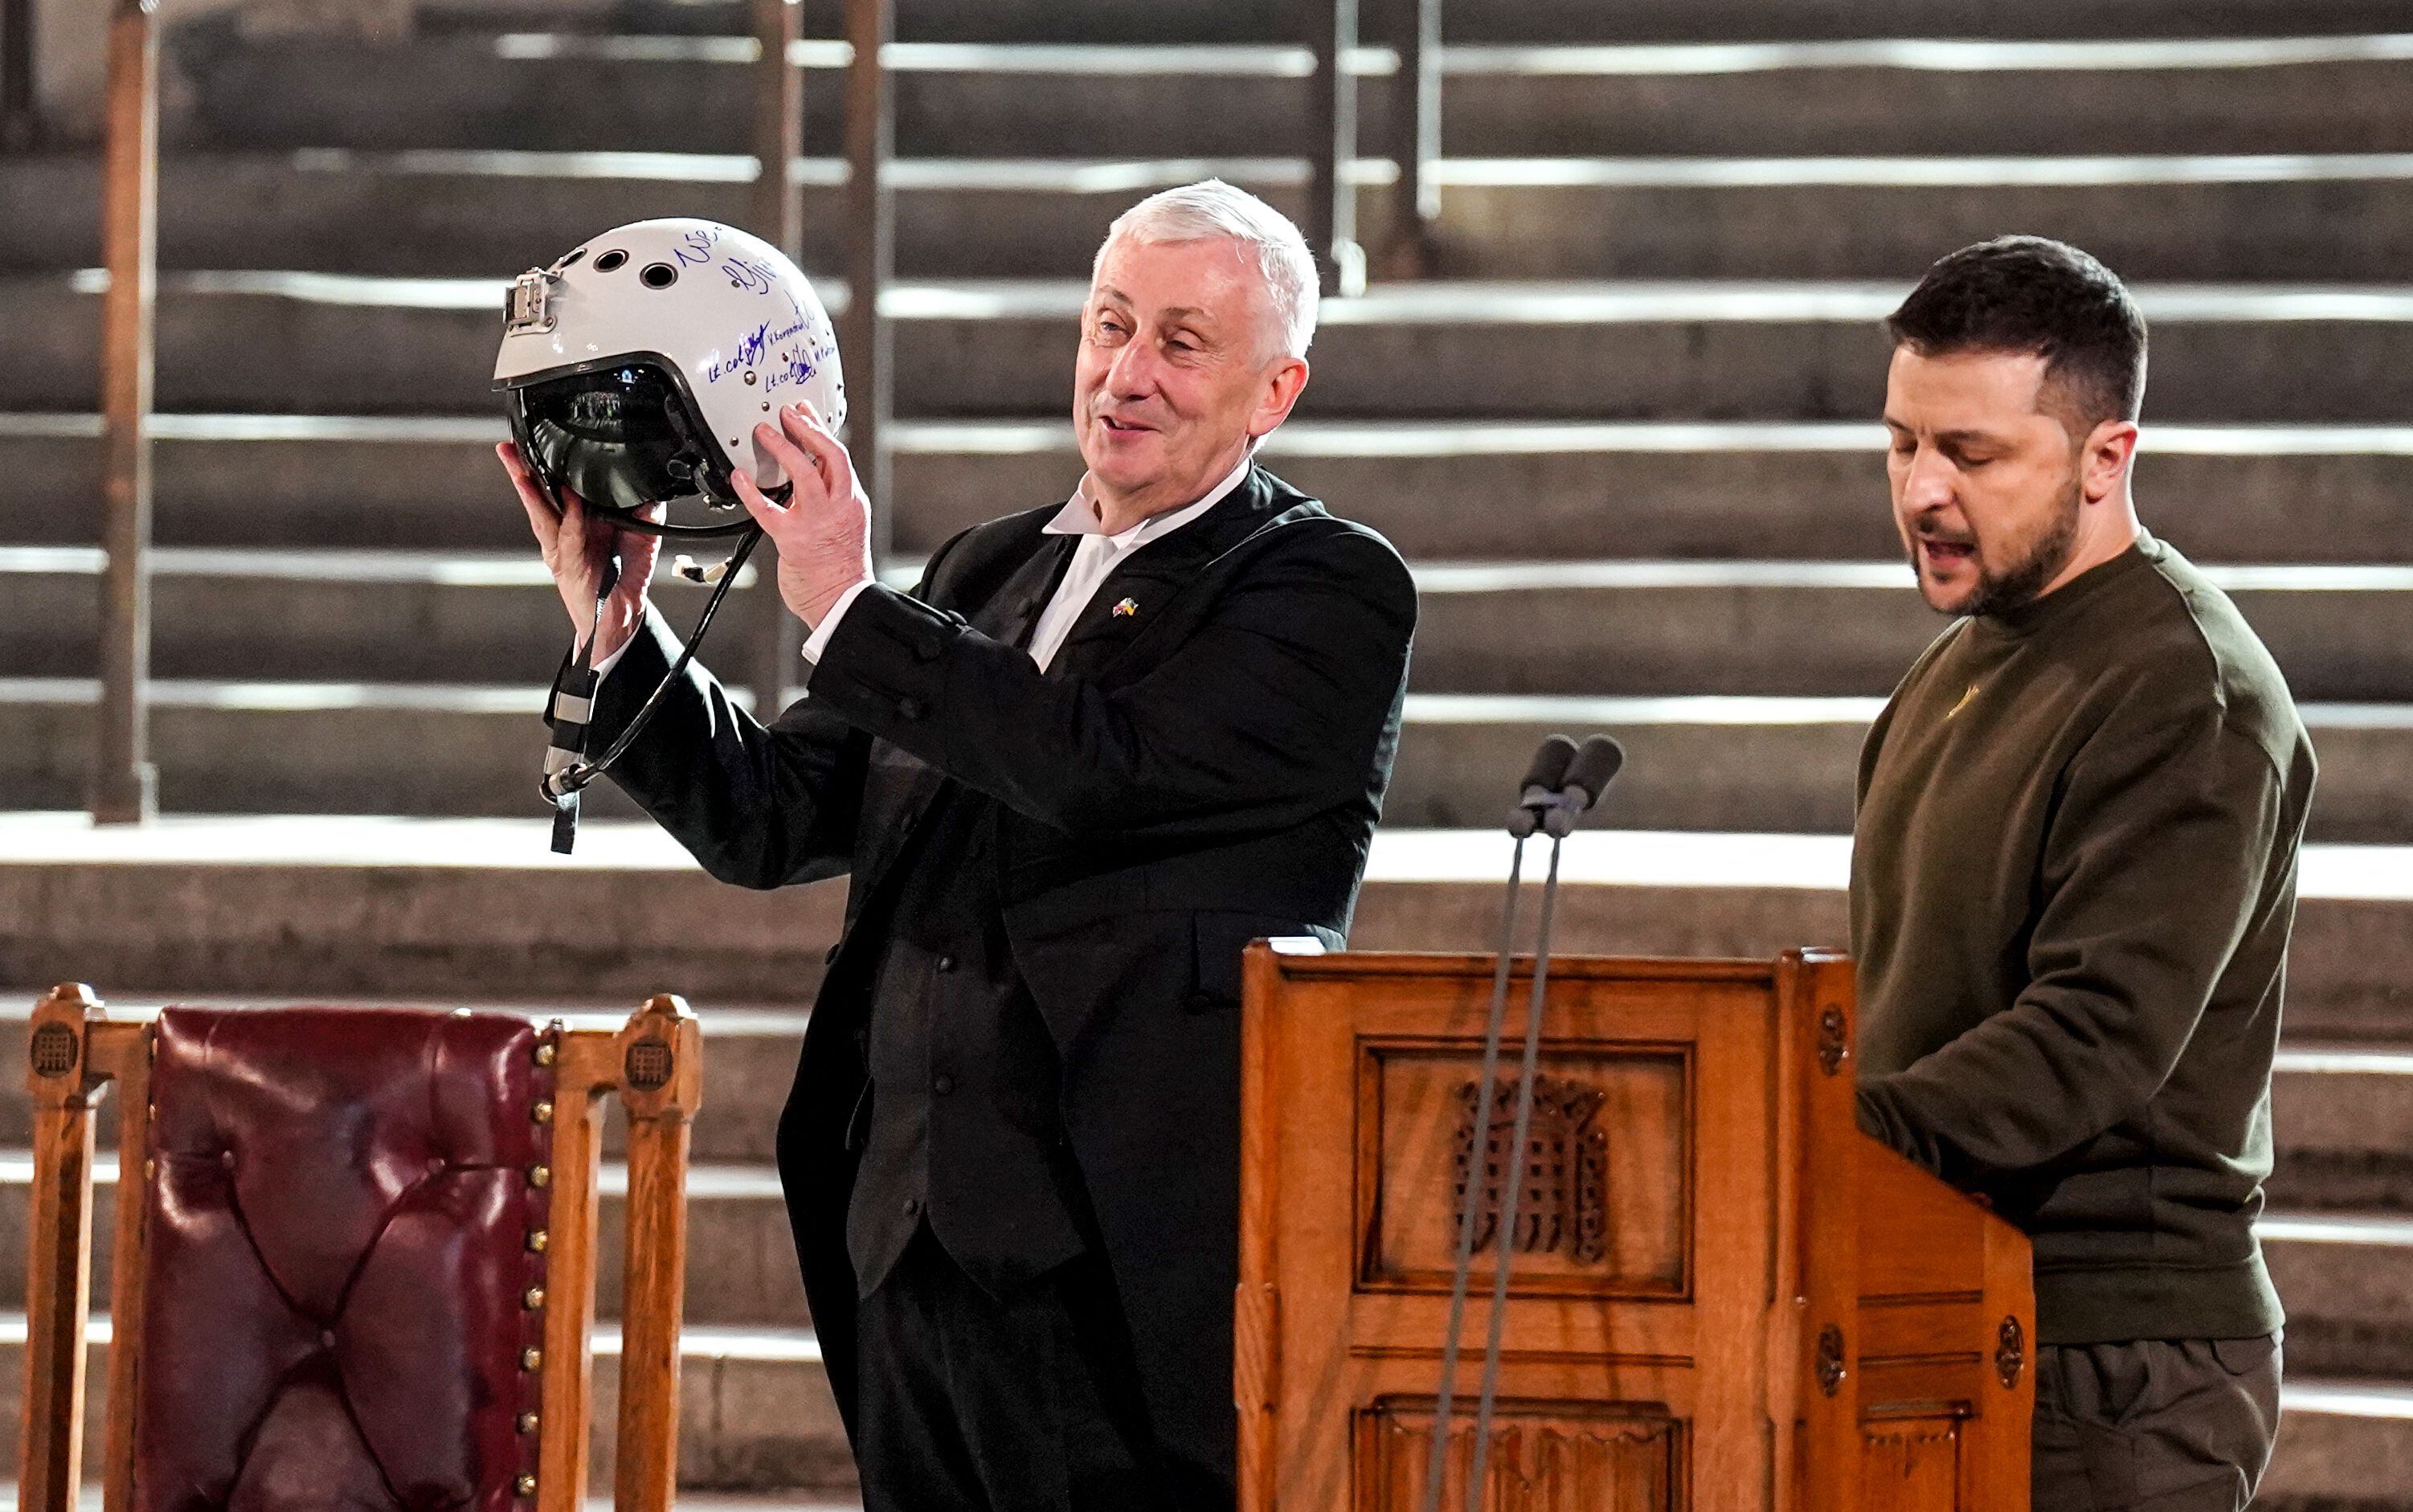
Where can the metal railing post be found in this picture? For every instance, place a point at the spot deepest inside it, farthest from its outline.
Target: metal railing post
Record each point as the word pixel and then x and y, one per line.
pixel 865 337
pixel 1332 146
pixel 20 106
pixel 1416 141
pixel 778 214
pixel 124 789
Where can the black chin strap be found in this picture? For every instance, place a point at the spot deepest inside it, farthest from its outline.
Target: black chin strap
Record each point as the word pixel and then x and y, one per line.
pixel 566 770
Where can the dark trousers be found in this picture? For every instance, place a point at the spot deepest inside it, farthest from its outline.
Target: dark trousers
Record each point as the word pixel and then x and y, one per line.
pixel 2154 1425
pixel 1028 1403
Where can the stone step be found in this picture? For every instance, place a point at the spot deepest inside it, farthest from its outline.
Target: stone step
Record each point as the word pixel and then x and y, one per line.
pixel 1786 764
pixel 2238 218
pixel 1684 628
pixel 2341 1277
pixel 1524 20
pixel 1651 490
pixel 376 615
pixel 1446 351
pixel 2346 1444
pixel 574 92
pixel 1694 764
pixel 741 1265
pixel 329 906
pixel 2343 1116
pixel 2341 633
pixel 755 1412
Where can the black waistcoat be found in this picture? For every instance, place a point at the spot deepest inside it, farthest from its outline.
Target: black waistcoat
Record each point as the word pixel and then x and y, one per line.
pixel 965 1129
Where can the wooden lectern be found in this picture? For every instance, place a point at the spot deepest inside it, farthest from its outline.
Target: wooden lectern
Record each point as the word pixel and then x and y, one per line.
pixel 1725 1296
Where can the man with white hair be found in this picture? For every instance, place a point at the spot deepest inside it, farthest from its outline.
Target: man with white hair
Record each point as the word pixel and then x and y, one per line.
pixel 1100 747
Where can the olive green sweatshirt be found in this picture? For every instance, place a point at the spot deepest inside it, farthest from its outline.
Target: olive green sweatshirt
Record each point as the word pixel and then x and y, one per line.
pixel 2073 878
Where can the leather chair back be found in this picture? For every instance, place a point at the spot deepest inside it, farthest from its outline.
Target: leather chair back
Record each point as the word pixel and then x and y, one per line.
pixel 343 1240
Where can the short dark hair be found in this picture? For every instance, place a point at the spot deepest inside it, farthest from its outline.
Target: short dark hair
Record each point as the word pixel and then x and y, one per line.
pixel 2042 298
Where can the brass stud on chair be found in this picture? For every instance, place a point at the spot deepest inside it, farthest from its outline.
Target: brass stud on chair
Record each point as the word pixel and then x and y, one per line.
pixel 528 1422
pixel 545 1054
pixel 531 1359
pixel 542 1113
pixel 539 1176
pixel 537 1239
pixel 533 1298
pixel 526 1485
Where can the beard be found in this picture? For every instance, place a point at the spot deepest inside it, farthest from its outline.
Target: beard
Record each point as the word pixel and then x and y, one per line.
pixel 1998 591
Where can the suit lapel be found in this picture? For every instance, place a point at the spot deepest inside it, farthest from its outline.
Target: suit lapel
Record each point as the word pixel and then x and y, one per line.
pixel 1137 592
pixel 1006 615
pixel 1013 609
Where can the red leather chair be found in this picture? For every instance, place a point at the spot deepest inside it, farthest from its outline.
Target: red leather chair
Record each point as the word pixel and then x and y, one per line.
pixel 354 1258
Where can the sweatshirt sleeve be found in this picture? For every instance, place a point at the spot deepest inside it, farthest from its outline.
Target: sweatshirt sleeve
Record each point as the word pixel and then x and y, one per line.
pixel 2155 865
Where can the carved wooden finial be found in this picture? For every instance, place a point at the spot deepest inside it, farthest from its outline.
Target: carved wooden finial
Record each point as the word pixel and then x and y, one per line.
pixel 55 1046
pixel 661 1051
pixel 667 1005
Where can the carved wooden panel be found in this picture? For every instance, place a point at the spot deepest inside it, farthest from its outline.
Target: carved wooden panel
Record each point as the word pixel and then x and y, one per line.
pixel 1607 1172
pixel 1544 1457
pixel 1562 1178
pixel 1911 1462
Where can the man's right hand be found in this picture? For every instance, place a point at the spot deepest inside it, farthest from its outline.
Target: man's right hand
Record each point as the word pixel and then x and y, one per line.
pixel 579 549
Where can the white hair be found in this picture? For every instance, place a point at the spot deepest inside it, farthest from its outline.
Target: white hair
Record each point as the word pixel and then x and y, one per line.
pixel 1212 208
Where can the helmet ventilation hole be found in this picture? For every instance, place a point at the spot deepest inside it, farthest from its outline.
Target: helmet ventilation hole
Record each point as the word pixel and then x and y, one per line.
pixel 659 276
pixel 611 261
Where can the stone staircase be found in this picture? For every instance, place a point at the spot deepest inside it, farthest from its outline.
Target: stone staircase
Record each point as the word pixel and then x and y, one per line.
pixel 1627 442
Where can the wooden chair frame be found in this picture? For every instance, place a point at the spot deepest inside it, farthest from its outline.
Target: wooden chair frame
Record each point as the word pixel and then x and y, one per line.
pixel 655 1063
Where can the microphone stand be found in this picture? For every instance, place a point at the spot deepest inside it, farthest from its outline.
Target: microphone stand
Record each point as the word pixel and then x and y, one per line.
pixel 1513 1177
pixel 1548 766
pixel 1586 777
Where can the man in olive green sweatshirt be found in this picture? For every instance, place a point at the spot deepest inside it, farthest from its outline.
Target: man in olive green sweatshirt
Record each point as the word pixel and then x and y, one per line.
pixel 2073 879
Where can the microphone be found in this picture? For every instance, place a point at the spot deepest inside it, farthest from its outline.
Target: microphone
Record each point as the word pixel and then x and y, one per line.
pixel 1539 792
pixel 1586 781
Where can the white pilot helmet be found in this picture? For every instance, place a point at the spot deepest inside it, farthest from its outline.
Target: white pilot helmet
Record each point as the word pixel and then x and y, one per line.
pixel 638 367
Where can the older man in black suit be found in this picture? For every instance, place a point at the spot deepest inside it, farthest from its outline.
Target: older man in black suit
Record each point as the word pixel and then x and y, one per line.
pixel 1101 745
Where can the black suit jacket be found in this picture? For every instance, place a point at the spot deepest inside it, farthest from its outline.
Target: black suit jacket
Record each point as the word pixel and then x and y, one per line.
pixel 1203 768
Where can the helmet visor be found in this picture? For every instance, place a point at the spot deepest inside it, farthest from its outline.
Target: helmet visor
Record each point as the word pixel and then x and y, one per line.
pixel 619 437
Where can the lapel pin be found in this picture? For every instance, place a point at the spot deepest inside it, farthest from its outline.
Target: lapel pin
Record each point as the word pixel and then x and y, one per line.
pixel 1129 606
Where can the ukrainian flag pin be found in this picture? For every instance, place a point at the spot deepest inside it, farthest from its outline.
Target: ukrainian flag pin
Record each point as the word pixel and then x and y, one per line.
pixel 1129 606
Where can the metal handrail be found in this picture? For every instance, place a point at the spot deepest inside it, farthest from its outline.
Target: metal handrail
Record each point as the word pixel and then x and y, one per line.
pixel 20 106
pixel 124 788
pixel 779 217
pixel 865 335
pixel 1332 147
pixel 869 253
pixel 1415 142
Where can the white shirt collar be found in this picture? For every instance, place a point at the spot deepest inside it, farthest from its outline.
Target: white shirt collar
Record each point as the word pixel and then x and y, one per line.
pixel 1079 515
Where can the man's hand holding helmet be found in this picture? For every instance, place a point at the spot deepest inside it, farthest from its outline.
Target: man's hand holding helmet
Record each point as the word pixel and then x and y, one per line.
pixel 823 532
pixel 579 547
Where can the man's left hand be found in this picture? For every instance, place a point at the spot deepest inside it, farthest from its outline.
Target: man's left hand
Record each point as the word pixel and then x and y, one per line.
pixel 823 532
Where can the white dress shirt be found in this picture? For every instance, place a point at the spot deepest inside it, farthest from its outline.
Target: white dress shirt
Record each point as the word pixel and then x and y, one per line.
pixel 1094 561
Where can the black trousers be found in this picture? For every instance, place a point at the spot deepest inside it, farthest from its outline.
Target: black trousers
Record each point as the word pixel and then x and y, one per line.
pixel 1028 1403
pixel 2155 1425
